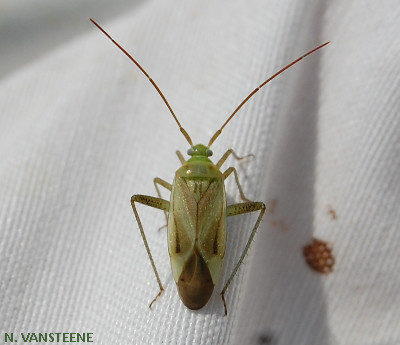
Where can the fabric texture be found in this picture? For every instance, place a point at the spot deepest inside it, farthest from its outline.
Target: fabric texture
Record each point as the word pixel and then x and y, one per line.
pixel 81 130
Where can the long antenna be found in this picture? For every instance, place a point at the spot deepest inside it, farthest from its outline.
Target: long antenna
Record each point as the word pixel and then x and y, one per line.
pixel 217 133
pixel 186 135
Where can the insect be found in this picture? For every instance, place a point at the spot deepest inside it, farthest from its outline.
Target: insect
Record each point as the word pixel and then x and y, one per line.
pixel 197 211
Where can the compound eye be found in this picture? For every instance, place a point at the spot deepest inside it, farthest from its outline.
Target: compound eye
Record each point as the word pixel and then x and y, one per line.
pixel 209 153
pixel 190 152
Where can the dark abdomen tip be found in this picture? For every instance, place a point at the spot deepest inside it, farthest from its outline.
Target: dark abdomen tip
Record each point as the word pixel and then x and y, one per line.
pixel 195 284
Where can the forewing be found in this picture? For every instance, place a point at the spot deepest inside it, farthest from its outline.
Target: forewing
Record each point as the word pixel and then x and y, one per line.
pixel 211 221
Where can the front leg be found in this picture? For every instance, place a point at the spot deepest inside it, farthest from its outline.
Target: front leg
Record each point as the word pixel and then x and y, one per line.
pixel 180 157
pixel 227 154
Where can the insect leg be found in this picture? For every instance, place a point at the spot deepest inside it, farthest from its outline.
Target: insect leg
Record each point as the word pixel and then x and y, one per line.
pixel 166 185
pixel 227 173
pixel 227 154
pixel 180 156
pixel 161 204
pixel 234 210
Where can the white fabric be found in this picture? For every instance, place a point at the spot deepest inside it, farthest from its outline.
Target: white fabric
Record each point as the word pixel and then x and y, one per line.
pixel 81 130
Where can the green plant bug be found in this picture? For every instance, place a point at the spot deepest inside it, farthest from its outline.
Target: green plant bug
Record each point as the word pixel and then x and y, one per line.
pixel 197 211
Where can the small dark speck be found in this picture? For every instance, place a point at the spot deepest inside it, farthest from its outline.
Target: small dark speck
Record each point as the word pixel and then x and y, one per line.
pixel 266 339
